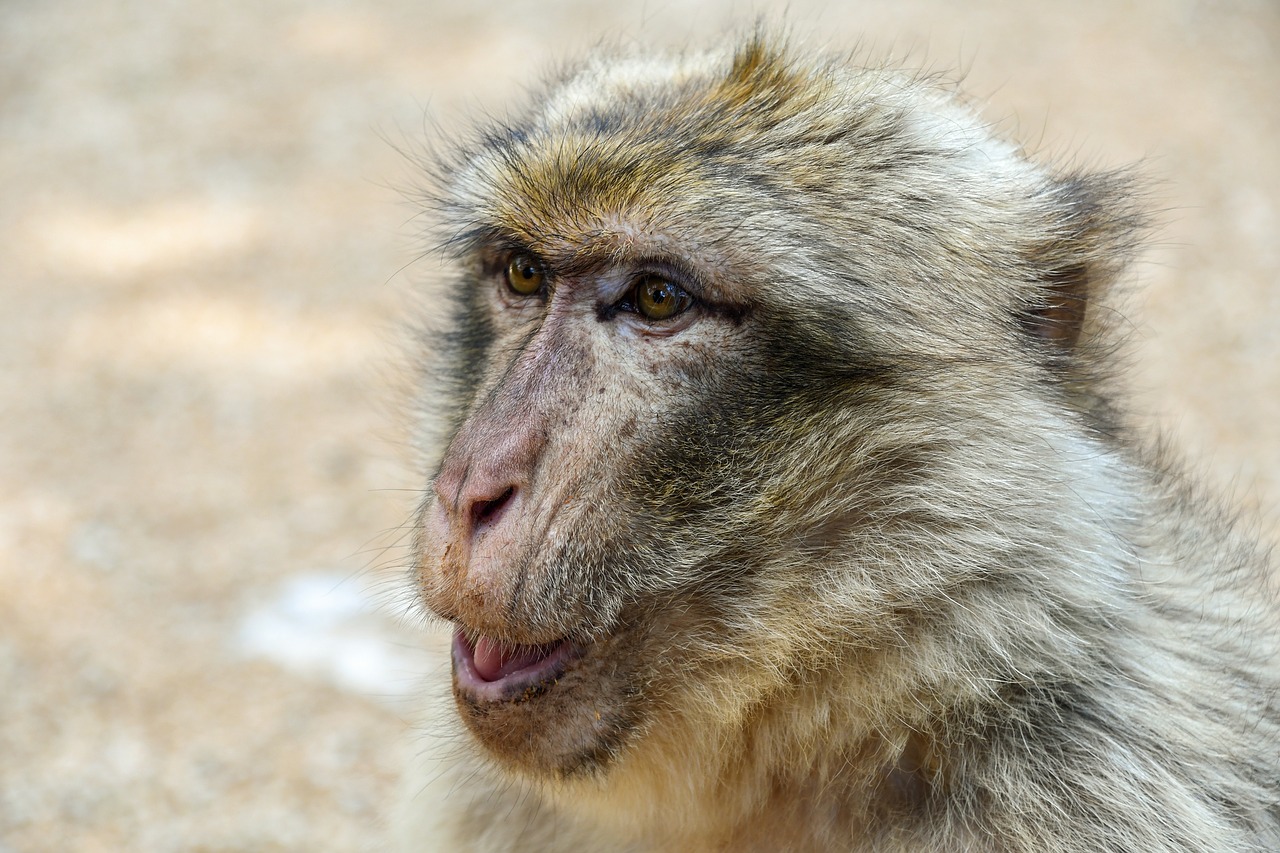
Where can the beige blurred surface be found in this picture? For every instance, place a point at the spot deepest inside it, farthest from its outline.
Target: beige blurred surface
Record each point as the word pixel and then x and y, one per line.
pixel 201 276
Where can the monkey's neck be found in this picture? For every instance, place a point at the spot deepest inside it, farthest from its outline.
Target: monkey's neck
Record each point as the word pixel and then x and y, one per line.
pixel 798 773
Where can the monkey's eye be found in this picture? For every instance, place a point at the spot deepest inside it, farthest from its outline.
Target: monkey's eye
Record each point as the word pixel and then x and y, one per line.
pixel 659 299
pixel 524 275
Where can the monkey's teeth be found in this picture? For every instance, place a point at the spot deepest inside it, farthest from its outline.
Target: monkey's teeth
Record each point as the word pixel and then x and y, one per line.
pixel 495 659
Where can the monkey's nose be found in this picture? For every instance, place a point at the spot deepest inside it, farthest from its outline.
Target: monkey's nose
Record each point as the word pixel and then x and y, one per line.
pixel 485 513
pixel 475 503
pixel 476 529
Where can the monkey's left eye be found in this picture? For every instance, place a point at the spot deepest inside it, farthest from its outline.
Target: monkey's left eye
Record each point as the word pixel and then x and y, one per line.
pixel 524 275
pixel 659 299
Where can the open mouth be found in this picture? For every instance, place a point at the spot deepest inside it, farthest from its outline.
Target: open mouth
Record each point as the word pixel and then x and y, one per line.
pixel 489 669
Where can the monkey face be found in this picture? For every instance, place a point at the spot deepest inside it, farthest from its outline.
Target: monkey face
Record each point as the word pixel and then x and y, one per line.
pixel 575 496
pixel 637 446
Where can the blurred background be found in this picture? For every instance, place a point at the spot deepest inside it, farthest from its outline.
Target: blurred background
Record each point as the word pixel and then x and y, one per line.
pixel 205 265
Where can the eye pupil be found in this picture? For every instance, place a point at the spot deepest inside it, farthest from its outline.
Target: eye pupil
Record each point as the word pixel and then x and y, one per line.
pixel 524 276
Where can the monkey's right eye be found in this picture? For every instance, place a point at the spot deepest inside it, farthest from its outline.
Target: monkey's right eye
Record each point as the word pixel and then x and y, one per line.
pixel 524 275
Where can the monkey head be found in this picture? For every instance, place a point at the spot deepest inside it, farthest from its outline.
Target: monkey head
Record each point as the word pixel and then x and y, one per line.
pixel 731 339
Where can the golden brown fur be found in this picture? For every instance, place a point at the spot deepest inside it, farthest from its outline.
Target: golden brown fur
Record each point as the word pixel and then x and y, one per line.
pixel 857 552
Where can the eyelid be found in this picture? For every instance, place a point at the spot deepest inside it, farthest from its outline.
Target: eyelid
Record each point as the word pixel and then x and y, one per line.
pixel 676 273
pixel 496 257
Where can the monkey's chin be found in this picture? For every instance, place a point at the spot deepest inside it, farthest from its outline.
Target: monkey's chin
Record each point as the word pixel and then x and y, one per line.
pixel 489 670
pixel 560 710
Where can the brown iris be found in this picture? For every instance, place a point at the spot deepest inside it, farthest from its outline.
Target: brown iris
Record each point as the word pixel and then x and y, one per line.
pixel 524 275
pixel 659 299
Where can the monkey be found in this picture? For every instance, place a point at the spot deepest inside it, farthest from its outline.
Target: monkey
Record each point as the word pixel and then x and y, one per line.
pixel 786 499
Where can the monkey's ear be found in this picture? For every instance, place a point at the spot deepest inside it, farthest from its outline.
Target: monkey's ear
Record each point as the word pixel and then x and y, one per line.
pixel 1057 314
pixel 1094 223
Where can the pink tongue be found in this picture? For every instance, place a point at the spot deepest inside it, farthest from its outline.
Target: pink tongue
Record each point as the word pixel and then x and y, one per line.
pixel 495 659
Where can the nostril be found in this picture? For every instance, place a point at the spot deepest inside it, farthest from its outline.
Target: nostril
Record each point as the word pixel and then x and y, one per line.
pixel 484 513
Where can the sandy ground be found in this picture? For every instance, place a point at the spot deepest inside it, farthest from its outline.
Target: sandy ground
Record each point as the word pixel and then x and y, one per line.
pixel 202 269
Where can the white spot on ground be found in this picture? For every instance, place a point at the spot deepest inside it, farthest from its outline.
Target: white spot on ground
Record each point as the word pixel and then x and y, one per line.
pixel 328 627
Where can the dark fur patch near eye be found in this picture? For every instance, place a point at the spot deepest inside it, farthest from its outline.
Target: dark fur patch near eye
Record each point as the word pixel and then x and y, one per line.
pixel 806 365
pixel 466 347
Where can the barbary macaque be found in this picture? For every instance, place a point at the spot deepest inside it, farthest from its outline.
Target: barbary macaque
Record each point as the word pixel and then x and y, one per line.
pixel 784 500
